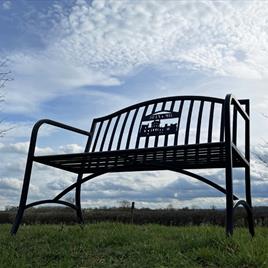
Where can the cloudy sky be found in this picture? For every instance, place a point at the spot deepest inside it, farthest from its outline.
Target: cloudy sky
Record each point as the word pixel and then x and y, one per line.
pixel 75 60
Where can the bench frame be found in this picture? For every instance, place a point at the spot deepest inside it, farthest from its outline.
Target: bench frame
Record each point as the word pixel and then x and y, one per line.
pixel 228 133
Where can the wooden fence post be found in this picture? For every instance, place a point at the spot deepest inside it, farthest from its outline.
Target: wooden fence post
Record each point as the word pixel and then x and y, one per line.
pixel 132 212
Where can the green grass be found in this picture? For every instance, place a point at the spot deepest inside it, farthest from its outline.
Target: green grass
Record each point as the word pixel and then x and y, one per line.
pixel 120 245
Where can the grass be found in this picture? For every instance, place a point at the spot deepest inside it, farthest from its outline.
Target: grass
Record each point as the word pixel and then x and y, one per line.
pixel 122 245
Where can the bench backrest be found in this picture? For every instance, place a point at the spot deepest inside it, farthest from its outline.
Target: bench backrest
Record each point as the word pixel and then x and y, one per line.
pixel 160 122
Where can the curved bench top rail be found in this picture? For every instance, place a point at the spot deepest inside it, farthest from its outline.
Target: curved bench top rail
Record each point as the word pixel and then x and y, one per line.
pixel 165 99
pixel 168 121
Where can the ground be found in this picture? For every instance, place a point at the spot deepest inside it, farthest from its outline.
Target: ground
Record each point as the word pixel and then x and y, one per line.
pixel 125 245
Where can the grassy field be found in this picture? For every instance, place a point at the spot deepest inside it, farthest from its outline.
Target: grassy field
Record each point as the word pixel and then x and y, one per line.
pixel 122 245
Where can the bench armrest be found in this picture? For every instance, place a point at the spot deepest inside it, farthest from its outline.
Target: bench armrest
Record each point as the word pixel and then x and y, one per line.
pixel 232 138
pixel 239 108
pixel 41 122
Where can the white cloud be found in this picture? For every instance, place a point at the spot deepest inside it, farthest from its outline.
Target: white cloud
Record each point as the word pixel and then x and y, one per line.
pixel 94 44
pixel 117 36
pixel 10 183
pixel 43 77
pixel 71 148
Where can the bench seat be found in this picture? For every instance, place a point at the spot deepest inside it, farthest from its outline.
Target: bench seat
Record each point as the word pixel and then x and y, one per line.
pixel 207 155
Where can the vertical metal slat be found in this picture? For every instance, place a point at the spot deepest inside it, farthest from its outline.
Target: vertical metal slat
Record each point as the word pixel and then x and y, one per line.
pixel 200 114
pixel 154 107
pixel 105 134
pixel 210 126
pixel 138 137
pixel 163 106
pixel 122 131
pixel 90 139
pixel 179 120
pixel 131 127
pixel 97 137
pixel 222 124
pixel 147 137
pixel 113 133
pixel 187 131
pixel 234 125
pixel 172 105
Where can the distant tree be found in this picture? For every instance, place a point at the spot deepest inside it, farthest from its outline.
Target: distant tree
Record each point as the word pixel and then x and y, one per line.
pixel 124 204
pixel 10 208
pixel 170 207
pixel 5 76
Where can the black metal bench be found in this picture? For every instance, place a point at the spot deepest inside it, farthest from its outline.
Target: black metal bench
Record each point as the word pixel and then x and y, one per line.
pixel 135 139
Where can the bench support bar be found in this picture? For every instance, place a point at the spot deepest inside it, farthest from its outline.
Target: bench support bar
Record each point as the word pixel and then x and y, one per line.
pixel 81 180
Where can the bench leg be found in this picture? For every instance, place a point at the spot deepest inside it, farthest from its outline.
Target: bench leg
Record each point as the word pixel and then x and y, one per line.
pixel 248 187
pixel 79 213
pixel 229 199
pixel 248 200
pixel 23 199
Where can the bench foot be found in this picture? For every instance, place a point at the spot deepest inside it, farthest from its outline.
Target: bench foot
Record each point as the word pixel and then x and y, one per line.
pixel 24 192
pixel 17 221
pixel 79 213
pixel 249 215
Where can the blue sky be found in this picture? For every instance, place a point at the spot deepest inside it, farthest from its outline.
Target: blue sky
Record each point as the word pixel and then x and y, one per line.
pixel 75 60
